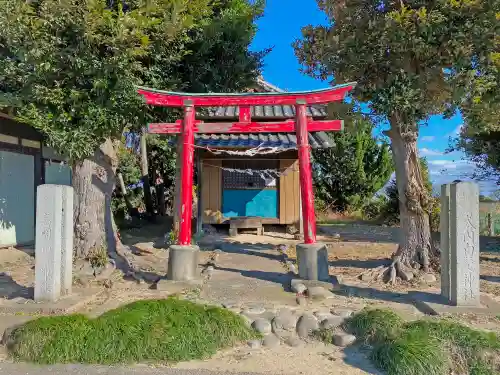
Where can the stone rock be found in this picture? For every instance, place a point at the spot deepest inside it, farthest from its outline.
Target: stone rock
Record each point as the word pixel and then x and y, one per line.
pixel 332 323
pixel 318 293
pixel 262 326
pixel 271 341
pixel 293 341
pixel 428 278
pixel 295 282
pixel 366 277
pixel 306 324
pixel 322 315
pixel 298 288
pixel 254 344
pixel 301 301
pixel 406 275
pixel 343 339
pixel 342 313
pixel 284 323
pixel 253 310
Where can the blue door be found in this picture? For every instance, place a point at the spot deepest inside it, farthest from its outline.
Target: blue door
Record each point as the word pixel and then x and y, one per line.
pixel 250 202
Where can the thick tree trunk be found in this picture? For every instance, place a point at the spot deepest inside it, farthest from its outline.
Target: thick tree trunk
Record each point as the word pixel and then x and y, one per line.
pixel 93 183
pixel 415 248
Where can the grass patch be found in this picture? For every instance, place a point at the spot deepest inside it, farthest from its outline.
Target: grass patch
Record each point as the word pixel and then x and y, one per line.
pixel 426 347
pixel 169 330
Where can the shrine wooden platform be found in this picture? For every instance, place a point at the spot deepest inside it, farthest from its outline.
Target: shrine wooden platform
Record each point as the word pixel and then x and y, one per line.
pixel 245 223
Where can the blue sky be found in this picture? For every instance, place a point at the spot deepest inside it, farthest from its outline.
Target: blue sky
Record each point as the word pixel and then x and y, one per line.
pixel 281 25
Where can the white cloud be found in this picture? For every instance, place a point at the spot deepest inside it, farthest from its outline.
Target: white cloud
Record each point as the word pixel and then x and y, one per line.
pixel 428 138
pixel 428 152
pixel 456 132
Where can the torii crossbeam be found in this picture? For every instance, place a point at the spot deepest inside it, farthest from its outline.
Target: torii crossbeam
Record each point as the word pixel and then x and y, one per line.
pixel 301 125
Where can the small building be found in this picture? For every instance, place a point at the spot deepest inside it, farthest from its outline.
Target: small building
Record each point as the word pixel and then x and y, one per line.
pixel 264 185
pixel 25 163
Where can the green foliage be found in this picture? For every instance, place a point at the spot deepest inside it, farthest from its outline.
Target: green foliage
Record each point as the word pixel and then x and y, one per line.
pixel 129 167
pixel 410 59
pixel 376 325
pixel 423 347
pixel 411 353
pixel 374 209
pixel 347 175
pixel 70 69
pixel 157 330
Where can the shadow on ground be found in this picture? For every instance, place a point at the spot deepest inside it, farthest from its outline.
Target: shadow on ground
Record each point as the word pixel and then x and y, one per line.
pixel 249 249
pixel 274 277
pixel 494 279
pixel 357 263
pixel 10 289
pixel 359 359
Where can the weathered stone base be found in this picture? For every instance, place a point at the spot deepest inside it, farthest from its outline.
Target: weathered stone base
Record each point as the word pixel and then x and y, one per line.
pixel 182 263
pixel 312 260
pixel 435 304
pixel 65 305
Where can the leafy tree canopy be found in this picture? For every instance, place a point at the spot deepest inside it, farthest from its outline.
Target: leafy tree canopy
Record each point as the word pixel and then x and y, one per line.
pixel 410 58
pixel 349 174
pixel 70 69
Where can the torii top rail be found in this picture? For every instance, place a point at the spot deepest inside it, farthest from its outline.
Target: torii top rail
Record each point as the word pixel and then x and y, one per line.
pixel 301 125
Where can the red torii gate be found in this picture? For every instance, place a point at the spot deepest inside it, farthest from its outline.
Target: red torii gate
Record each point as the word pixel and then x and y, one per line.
pixel 301 126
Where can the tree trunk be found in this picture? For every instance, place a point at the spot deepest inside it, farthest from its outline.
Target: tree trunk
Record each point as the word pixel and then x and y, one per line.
pixel 415 249
pixel 148 200
pixel 93 183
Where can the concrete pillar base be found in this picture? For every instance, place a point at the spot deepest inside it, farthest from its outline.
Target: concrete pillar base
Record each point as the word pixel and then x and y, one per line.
pixel 182 263
pixel 312 260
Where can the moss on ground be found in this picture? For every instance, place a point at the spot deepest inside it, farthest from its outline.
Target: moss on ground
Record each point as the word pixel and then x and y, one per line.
pixel 425 347
pixel 169 330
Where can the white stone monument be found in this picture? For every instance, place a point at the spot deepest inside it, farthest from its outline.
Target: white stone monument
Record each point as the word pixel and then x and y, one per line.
pixel 460 244
pixel 53 242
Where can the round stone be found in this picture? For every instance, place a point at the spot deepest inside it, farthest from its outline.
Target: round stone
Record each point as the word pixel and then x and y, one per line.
pixel 343 339
pixel 306 324
pixel 284 323
pixel 332 322
pixel 254 344
pixel 262 326
pixel 318 293
pixel 293 341
pixel 271 341
pixel 428 278
pixel 342 313
pixel 298 288
pixel 322 315
pixel 253 310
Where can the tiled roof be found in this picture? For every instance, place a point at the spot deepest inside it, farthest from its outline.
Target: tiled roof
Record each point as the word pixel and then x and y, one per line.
pixel 278 112
pixel 285 140
pixel 267 112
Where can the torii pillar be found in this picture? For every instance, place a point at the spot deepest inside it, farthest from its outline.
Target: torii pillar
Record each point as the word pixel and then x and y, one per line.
pixel 312 257
pixel 183 257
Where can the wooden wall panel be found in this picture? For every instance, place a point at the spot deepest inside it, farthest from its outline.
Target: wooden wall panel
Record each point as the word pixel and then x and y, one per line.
pixel 211 193
pixel 289 192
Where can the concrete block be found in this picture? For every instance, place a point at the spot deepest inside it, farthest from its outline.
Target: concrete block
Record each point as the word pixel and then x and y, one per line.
pixel 67 240
pixel 464 244
pixel 182 263
pixel 312 260
pixel 48 243
pixel 445 242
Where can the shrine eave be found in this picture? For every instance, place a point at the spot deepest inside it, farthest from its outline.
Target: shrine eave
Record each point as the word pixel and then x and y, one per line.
pixel 286 141
pixel 178 99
